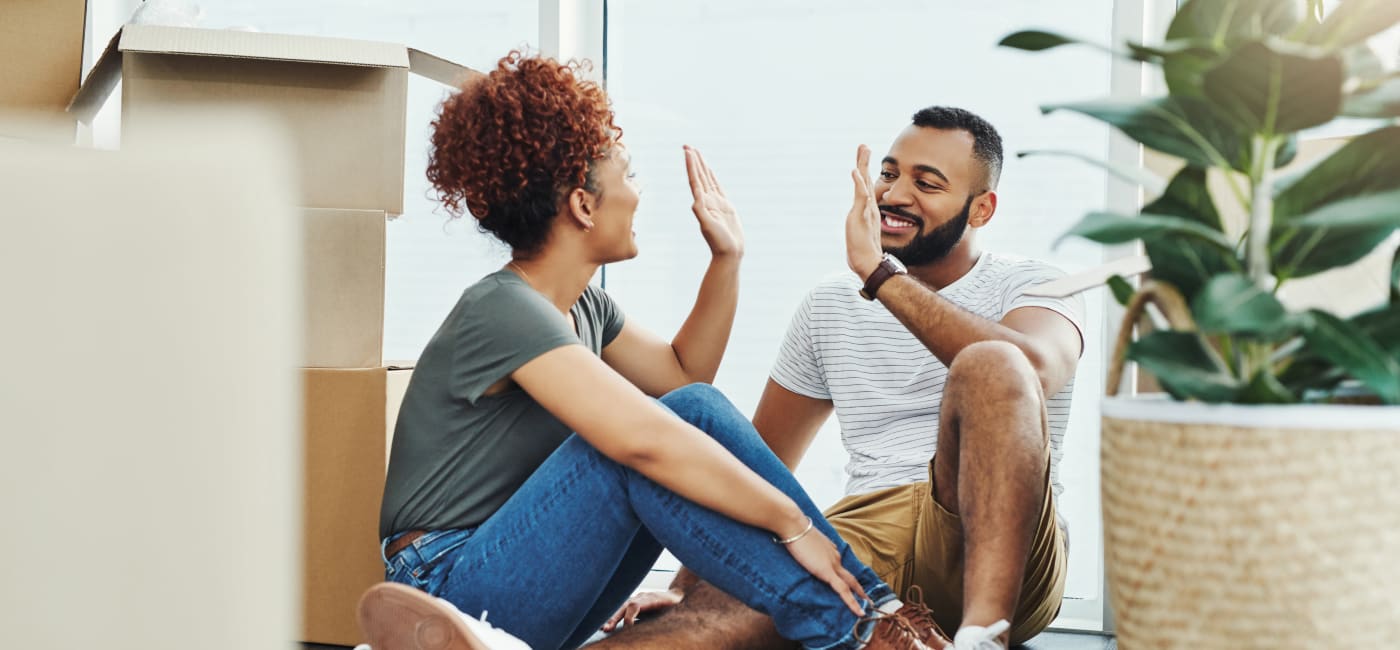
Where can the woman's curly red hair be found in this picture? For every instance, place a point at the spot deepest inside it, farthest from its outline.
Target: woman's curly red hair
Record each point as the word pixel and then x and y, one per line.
pixel 509 146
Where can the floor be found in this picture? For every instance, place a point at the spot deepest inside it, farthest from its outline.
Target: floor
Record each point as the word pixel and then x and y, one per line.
pixel 1059 641
pixel 1047 641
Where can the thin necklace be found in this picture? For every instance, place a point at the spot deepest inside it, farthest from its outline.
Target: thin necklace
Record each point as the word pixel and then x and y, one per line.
pixel 522 272
pixel 567 316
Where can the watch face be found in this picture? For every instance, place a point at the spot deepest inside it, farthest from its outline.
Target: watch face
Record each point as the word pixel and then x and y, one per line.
pixel 894 261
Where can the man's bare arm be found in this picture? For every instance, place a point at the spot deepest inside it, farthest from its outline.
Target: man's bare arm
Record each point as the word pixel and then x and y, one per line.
pixel 1049 340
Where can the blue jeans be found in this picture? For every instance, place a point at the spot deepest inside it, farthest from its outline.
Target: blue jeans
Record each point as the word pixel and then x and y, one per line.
pixel 572 544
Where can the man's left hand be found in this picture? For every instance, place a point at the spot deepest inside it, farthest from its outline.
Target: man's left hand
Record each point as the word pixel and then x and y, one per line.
pixel 863 251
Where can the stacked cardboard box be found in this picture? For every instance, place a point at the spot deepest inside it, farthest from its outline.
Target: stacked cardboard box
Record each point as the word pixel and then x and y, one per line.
pixel 41 58
pixel 342 104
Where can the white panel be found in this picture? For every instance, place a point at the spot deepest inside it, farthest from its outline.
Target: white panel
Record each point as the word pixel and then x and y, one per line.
pixel 149 482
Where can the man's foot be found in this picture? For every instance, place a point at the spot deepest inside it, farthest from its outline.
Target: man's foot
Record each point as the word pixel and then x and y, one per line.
pixel 976 637
pixel 397 617
pixel 890 632
pixel 921 618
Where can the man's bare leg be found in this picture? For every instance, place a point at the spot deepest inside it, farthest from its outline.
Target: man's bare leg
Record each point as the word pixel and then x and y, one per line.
pixel 990 470
pixel 708 619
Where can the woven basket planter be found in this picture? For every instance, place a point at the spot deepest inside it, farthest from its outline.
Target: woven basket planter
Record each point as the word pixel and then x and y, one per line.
pixel 1251 527
pixel 1236 527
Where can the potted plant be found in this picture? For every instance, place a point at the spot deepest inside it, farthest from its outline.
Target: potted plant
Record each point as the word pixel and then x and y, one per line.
pixel 1251 508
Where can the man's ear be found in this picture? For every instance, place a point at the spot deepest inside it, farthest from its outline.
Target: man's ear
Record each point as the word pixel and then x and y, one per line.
pixel 983 208
pixel 581 204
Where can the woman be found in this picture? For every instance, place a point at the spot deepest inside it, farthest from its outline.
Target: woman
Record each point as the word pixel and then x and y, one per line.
pixel 492 502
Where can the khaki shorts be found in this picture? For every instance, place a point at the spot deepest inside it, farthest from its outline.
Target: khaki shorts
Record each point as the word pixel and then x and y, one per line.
pixel 908 539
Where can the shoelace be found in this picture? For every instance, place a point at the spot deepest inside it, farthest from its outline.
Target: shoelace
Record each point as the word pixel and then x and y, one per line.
pixel 975 637
pixel 919 615
pixel 900 625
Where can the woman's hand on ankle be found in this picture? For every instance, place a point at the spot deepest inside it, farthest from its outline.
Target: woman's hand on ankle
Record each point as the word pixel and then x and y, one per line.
pixel 819 557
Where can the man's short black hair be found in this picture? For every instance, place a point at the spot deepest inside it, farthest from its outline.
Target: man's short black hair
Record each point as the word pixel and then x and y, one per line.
pixel 986 145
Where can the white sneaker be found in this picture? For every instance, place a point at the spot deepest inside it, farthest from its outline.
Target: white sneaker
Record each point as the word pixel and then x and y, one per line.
pixel 494 637
pixel 397 617
pixel 976 637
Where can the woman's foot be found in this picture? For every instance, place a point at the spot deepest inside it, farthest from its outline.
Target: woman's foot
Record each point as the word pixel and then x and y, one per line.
pixel 397 617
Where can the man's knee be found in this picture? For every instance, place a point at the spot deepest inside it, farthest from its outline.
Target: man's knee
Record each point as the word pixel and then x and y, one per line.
pixel 994 372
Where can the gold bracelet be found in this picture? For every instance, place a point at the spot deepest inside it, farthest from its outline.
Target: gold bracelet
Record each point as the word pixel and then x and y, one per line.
pixel 796 537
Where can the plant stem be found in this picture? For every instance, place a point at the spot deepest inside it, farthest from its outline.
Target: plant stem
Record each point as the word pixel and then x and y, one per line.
pixel 1261 213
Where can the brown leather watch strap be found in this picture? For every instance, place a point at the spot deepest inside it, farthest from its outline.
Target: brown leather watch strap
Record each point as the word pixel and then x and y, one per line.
pixel 886 270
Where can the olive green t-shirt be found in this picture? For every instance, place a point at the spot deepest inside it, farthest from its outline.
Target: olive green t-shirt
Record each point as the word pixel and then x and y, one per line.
pixel 458 455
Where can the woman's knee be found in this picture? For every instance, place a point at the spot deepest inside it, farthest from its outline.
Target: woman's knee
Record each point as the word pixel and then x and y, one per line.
pixel 706 408
pixel 694 400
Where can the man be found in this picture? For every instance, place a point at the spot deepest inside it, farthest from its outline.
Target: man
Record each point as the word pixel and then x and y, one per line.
pixel 938 366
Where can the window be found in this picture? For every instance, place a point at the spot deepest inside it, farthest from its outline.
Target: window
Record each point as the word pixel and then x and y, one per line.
pixel 777 94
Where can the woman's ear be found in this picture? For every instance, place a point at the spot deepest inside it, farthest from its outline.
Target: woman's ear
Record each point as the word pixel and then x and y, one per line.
pixel 581 204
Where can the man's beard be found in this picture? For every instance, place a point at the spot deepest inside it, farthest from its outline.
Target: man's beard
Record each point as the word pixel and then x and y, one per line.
pixel 932 246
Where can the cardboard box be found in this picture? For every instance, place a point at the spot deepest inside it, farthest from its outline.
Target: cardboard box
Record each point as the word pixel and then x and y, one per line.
pixel 399 374
pixel 344 288
pixel 342 101
pixel 41 63
pixel 344 470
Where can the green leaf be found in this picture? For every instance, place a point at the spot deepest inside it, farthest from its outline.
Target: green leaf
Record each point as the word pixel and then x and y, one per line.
pixel 1286 151
pixel 1314 12
pixel 1180 126
pixel 1033 40
pixel 1170 50
pixel 1184 367
pixel 1363 65
pixel 1134 174
pixel 1232 304
pixel 1308 370
pixel 1108 228
pixel 1122 290
pixel 1380 101
pixel 1264 388
pixel 1222 24
pixel 1354 21
pixel 1395 280
pixel 1351 348
pixel 1334 235
pixel 1187 263
pixel 1365 165
pixel 1232 21
pixel 1267 90
pixel 1383 325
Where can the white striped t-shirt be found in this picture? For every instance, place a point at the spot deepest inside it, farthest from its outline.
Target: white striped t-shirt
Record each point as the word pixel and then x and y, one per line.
pixel 885 385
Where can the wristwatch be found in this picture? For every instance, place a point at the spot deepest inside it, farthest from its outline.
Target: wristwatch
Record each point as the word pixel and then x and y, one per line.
pixel 889 267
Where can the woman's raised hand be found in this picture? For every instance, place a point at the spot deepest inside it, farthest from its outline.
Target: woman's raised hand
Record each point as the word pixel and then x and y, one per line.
pixel 719 222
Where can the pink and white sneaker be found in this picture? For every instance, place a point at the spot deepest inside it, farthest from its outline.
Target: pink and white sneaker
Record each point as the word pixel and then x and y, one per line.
pixel 398 617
